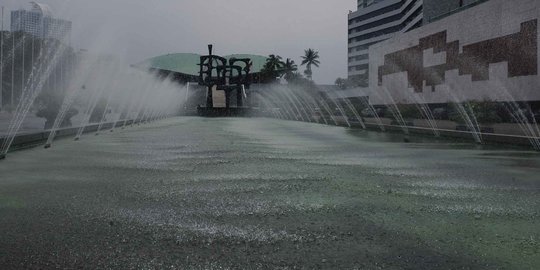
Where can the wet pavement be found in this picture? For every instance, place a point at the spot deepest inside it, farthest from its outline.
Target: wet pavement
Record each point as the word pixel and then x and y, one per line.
pixel 193 193
pixel 29 125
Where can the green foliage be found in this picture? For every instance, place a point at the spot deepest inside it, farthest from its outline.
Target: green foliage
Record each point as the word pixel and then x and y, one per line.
pixel 273 68
pixel 308 73
pixel 485 112
pixel 99 111
pixel 289 68
pixel 408 111
pixel 453 113
pixel 388 114
pixel 50 111
pixel 355 81
pixel 341 83
pixel 48 105
pixel 310 58
pixel 296 78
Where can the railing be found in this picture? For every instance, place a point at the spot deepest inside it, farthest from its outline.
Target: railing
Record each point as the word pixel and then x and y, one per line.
pixel 29 140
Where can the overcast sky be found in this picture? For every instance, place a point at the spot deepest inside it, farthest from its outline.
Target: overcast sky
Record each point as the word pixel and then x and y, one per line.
pixel 139 29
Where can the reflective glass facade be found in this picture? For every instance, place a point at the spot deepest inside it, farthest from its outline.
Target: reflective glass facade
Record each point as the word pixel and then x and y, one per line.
pixel 35 23
pixel 376 21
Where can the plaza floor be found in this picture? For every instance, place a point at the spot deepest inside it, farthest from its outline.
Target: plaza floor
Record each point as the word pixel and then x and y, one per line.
pixel 196 193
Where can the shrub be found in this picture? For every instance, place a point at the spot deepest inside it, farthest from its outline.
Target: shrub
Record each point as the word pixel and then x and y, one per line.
pixel 486 112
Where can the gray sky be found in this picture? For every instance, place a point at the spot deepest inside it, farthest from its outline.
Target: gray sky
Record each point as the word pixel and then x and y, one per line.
pixel 139 29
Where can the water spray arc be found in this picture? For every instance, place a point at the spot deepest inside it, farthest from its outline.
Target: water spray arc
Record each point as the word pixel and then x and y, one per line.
pixel 133 94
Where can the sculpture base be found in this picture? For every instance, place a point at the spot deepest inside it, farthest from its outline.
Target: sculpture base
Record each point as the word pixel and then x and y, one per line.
pixel 224 112
pixel 2 156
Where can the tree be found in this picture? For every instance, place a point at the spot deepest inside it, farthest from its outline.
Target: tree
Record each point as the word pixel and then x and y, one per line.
pixel 341 83
pixel 310 58
pixel 273 67
pixel 49 104
pixel 289 67
pixel 99 111
pixel 273 64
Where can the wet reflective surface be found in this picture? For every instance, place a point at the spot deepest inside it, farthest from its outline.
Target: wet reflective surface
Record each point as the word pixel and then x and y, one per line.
pixel 258 193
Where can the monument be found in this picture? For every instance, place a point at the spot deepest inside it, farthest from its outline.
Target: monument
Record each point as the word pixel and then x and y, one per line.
pixel 230 76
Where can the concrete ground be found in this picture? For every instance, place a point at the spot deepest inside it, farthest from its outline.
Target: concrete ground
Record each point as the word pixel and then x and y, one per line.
pixel 31 123
pixel 194 193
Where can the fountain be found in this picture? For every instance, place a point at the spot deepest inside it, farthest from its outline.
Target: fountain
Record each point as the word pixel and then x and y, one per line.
pixel 48 59
pixel 93 79
pixel 317 180
pixel 353 110
pixel 342 112
pixel 219 74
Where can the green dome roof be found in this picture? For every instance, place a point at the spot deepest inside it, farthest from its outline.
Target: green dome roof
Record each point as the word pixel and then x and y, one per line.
pixel 257 60
pixel 187 63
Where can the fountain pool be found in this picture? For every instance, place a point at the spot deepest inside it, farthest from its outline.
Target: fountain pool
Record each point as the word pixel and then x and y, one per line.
pixel 264 193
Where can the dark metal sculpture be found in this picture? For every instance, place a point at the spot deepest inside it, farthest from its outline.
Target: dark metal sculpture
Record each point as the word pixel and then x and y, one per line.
pixel 233 75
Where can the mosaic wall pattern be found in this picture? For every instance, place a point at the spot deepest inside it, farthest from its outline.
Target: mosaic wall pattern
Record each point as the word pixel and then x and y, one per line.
pixel 519 50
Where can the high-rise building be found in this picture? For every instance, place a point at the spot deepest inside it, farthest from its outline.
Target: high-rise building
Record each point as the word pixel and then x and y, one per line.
pixel 39 22
pixel 376 21
pixel 437 9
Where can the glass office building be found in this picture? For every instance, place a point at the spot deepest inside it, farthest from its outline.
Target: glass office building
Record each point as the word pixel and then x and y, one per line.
pixel 376 21
pixel 39 22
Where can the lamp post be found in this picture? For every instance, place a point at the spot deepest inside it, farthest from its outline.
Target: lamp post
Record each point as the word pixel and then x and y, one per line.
pixel 2 60
pixel 22 69
pixel 12 68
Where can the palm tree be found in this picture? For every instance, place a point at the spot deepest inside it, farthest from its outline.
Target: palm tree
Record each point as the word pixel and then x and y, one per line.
pixel 311 57
pixel 272 67
pixel 274 62
pixel 289 67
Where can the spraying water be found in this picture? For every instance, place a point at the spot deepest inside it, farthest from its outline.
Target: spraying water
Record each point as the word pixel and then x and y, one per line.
pixel 467 114
pixel 49 57
pixel 396 112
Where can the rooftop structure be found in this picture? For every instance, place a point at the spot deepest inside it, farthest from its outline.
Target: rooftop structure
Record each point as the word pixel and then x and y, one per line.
pixel 185 66
pixel 39 22
pixel 44 9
